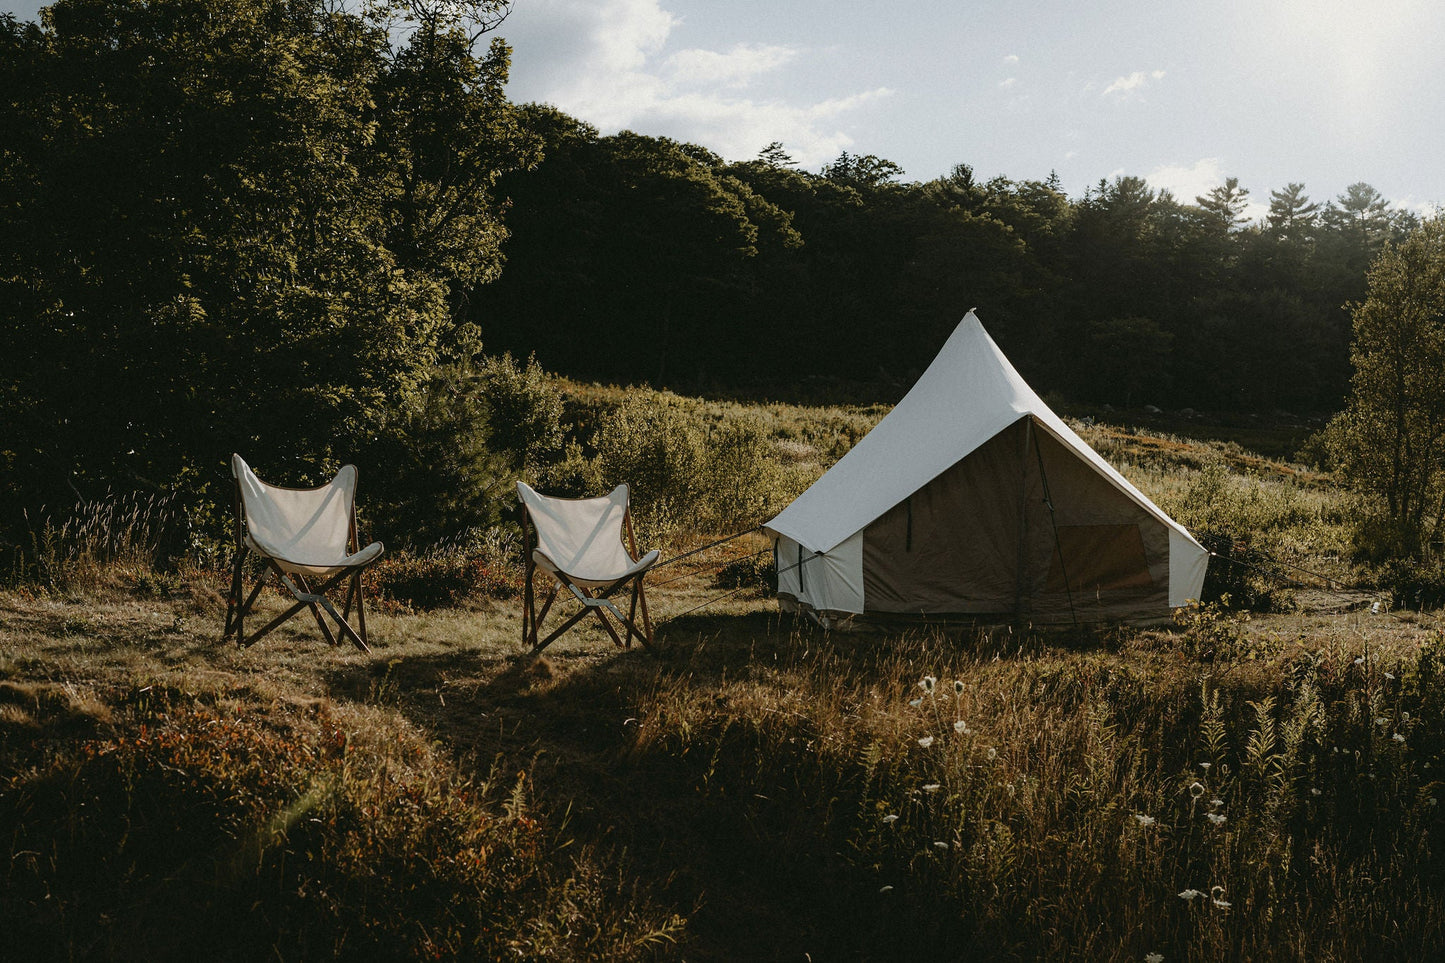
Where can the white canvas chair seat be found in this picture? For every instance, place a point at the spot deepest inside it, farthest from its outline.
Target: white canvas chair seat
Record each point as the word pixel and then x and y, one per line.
pixel 586 545
pixel 641 565
pixel 319 566
pixel 301 534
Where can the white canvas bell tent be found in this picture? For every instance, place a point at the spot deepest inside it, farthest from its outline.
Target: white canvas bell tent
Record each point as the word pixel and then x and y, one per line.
pixel 971 497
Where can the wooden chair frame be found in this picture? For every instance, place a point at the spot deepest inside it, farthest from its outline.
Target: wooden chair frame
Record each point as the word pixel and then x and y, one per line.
pixel 597 600
pixel 305 594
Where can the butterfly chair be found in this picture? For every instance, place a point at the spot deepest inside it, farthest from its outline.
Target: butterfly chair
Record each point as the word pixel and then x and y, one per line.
pixel 307 536
pixel 578 543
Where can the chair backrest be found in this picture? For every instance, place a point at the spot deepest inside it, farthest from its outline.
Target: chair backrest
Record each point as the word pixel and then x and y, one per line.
pixel 581 536
pixel 307 525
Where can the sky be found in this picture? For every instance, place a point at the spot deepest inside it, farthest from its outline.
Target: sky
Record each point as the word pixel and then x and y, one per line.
pixel 1322 92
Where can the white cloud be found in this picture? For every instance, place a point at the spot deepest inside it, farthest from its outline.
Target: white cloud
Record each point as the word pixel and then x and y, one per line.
pixel 735 68
pixel 1009 82
pixel 1133 83
pixel 606 62
pixel 1011 59
pixel 1187 183
pixel 1197 180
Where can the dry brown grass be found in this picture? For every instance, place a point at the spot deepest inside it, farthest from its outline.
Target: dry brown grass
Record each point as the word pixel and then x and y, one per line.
pixel 740 780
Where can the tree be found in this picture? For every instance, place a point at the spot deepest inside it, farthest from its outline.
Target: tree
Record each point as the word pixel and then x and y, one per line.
pixel 241 232
pixel 1224 206
pixel 1292 216
pixel 1390 440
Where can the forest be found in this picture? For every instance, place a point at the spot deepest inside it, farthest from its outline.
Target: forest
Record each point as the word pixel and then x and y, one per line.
pixel 296 229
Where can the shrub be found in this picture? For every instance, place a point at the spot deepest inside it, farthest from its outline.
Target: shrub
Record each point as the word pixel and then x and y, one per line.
pixel 446 575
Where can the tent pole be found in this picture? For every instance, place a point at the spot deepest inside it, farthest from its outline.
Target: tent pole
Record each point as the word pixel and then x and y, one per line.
pixel 1022 572
pixel 1054 523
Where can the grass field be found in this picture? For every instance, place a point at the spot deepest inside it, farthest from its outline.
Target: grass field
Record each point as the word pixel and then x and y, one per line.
pixel 1236 786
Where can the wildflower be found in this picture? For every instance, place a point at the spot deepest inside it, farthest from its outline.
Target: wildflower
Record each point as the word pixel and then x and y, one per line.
pixel 885 889
pixel 926 741
pixel 1154 958
pixel 961 727
pixel 1390 676
pixel 1196 789
pixel 890 819
pixel 1398 737
pixel 927 683
pixel 1375 607
pixel 1222 904
pixel 1205 766
pixel 1216 802
pixel 940 844
pixel 1404 717
pixel 1360 660
pixel 1190 895
pixel 1381 721
pixel 1216 818
pixel 992 753
pixel 1145 821
pixel 1314 791
pixel 931 787
pixel 957 687
pixel 1431 800
pixel 915 703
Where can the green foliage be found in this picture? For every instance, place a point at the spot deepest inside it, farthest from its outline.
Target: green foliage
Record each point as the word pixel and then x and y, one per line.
pixel 1390 441
pixel 525 409
pixel 435 476
pixel 242 233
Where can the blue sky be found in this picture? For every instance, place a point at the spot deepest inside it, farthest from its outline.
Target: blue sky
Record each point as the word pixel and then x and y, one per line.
pixel 1326 92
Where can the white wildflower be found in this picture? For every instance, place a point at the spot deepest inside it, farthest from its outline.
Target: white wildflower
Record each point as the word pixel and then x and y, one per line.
pixel 926 741
pixel 915 703
pixel 1205 766
pixel 890 819
pixel 1216 818
pixel 1190 895
pixel 1216 802
pixel 885 889
pixel 1398 737
pixel 1154 958
pixel 940 844
pixel 1431 801
pixel 1145 821
pixel 1314 791
pixel 1381 721
pixel 961 727
pixel 931 787
pixel 1390 676
pixel 1360 660
pixel 1222 904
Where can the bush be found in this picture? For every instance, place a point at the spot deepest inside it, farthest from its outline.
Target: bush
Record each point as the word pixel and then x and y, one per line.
pixel 447 575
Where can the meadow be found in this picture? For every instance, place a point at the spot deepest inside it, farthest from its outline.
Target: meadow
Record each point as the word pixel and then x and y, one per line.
pixel 1259 779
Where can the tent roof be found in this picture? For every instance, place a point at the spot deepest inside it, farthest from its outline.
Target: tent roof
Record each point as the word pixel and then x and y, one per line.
pixel 968 394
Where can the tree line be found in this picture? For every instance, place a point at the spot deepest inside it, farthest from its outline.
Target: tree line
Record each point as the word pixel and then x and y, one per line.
pixel 307 230
pixel 636 258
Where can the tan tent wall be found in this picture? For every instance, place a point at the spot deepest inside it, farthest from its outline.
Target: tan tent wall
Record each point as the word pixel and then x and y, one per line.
pixel 981 539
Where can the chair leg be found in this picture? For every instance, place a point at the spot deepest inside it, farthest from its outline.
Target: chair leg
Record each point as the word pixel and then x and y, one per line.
pixel 233 598
pixel 315 610
pixel 646 619
pixel 360 608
